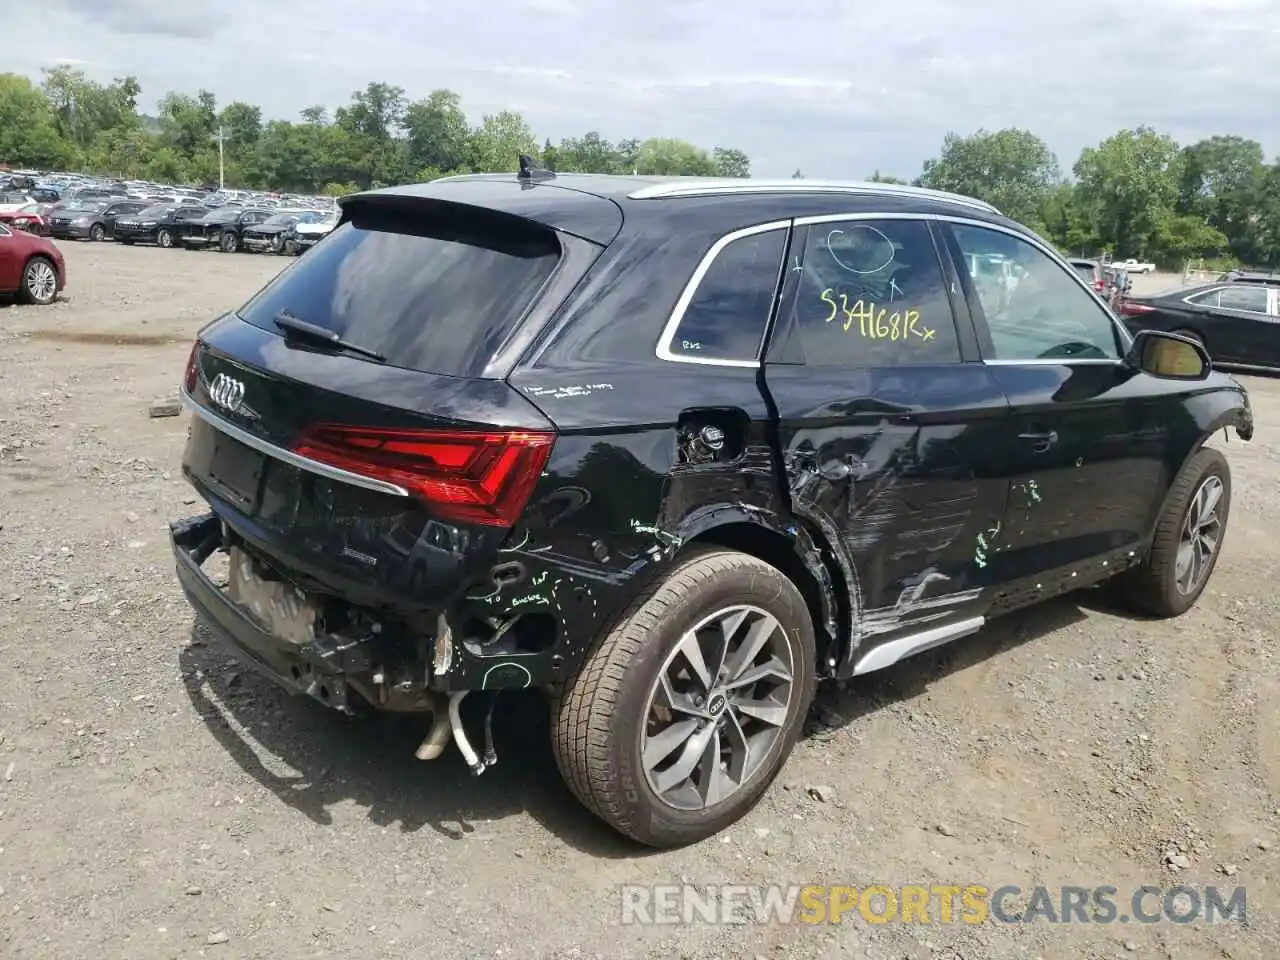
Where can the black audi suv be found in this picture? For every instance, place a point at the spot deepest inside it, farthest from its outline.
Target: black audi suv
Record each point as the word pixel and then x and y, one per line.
pixel 674 451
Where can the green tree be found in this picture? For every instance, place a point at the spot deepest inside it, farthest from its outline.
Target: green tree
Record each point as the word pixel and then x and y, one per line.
pixel 879 177
pixel 241 125
pixel 1128 189
pixel 437 131
pixel 1012 169
pixel 375 112
pixel 730 162
pixel 668 156
pixel 29 134
pixel 495 146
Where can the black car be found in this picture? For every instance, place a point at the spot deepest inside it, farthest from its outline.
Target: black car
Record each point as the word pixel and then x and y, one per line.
pixel 270 234
pixel 160 223
pixel 221 228
pixel 673 451
pixel 1237 323
pixel 92 219
pixel 1250 276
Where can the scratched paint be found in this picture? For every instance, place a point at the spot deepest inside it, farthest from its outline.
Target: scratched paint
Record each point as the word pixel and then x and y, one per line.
pixel 986 545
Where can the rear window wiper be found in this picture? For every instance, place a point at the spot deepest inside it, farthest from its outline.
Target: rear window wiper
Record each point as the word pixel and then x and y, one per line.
pixel 291 324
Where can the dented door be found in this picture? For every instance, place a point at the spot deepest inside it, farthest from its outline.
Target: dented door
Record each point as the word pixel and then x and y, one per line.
pixel 891 432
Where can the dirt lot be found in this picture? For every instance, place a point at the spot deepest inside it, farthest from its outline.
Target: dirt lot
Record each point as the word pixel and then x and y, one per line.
pixel 158 801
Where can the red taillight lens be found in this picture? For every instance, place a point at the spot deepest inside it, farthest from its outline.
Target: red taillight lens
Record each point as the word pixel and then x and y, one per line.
pixel 1099 285
pixel 1131 309
pixel 189 378
pixel 467 477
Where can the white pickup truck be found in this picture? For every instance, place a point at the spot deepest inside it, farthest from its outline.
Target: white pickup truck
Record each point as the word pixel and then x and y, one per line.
pixel 1133 266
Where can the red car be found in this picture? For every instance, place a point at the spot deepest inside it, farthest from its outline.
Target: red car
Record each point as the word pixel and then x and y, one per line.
pixel 30 266
pixel 30 218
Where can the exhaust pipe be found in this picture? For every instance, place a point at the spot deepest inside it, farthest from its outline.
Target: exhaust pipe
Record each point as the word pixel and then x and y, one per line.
pixel 447 719
pixel 436 739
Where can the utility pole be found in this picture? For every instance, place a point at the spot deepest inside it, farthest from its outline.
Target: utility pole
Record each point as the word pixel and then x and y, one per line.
pixel 222 175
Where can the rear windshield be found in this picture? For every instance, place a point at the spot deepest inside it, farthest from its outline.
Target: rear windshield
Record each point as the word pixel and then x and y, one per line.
pixel 1085 270
pixel 433 288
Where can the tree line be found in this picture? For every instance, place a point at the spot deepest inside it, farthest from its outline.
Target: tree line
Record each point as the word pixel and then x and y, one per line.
pixel 1137 193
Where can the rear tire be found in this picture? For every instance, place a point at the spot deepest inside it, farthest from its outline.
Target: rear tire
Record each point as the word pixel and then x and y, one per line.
pixel 1187 541
pixel 618 708
pixel 97 234
pixel 39 282
pixel 164 238
pixel 229 242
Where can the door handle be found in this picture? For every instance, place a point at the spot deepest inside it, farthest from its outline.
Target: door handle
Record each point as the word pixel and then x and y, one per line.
pixel 1041 440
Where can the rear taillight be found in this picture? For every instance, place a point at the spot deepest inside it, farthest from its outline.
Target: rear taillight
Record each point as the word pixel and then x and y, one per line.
pixel 189 378
pixel 466 477
pixel 1099 285
pixel 1130 309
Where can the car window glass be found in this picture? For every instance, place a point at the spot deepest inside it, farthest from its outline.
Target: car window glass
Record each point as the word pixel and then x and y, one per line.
pixel 1209 299
pixel 872 294
pixel 726 318
pixel 4 231
pixel 1034 308
pixel 1251 298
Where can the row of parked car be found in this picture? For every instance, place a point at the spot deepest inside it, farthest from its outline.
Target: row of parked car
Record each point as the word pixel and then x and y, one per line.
pixel 229 228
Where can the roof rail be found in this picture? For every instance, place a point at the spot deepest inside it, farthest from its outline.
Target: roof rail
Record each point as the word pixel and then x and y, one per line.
pixel 709 186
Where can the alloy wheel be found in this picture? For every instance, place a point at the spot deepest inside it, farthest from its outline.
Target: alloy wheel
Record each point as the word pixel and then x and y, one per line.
pixel 1201 534
pixel 717 707
pixel 42 282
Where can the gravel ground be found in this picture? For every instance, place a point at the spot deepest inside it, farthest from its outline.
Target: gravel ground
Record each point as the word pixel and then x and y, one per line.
pixel 158 801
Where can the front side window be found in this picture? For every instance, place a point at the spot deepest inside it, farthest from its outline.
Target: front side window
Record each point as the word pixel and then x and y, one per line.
pixel 727 316
pixel 872 293
pixel 1034 308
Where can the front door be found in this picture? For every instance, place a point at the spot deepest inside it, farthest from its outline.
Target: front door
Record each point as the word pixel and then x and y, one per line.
pixel 887 420
pixel 1088 434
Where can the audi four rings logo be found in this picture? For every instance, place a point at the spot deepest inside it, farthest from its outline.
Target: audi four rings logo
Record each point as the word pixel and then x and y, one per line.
pixel 226 392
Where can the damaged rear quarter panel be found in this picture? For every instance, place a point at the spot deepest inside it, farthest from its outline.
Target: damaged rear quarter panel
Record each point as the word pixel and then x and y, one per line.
pixel 626 487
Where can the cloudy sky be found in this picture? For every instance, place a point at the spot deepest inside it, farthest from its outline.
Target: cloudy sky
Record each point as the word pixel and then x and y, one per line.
pixel 836 88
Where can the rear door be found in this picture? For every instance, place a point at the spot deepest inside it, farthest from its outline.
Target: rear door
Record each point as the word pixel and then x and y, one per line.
pixel 1249 310
pixel 888 424
pixel 1087 435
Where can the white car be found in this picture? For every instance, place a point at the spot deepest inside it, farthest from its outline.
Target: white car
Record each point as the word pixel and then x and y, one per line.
pixel 306 235
pixel 1133 266
pixel 13 202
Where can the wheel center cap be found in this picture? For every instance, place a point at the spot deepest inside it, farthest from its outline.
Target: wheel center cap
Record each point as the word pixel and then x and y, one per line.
pixel 716 705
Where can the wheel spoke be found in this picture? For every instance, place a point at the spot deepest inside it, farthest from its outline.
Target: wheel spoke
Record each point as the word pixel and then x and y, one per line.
pixel 729 628
pixel 768 711
pixel 1210 495
pixel 739 749
pixel 713 783
pixel 772 669
pixel 684 765
pixel 668 741
pixel 667 696
pixel 757 636
pixel 691 649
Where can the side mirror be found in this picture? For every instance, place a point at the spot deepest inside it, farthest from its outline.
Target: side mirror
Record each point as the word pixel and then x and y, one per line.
pixel 1169 356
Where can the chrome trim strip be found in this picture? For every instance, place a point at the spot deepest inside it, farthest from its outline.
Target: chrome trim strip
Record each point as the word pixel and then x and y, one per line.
pixel 887 654
pixel 287 456
pixel 663 350
pixel 712 186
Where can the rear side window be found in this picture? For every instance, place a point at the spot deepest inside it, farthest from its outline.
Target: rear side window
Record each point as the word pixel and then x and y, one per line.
pixel 872 294
pixel 726 318
pixel 432 288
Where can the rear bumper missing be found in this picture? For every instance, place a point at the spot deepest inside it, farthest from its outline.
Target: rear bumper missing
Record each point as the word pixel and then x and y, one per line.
pixel 299 669
pixel 380 669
